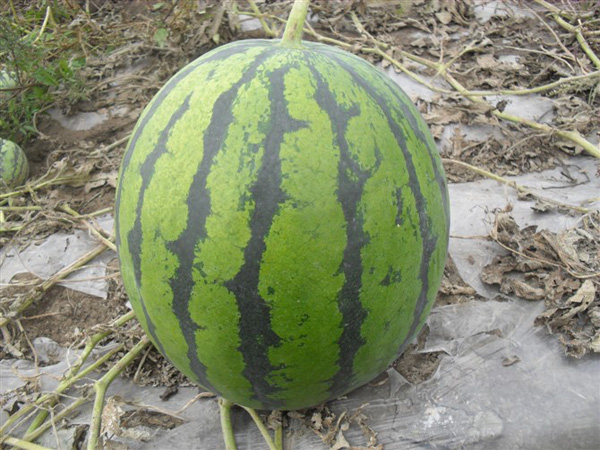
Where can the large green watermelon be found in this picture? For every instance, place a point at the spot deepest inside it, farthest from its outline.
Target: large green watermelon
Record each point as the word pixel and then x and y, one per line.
pixel 282 222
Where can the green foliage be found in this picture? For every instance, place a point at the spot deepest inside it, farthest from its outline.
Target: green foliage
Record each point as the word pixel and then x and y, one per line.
pixel 160 37
pixel 39 61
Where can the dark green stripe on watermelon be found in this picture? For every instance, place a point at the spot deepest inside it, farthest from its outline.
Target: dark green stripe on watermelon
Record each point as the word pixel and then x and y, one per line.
pixel 351 181
pixel 422 209
pixel 282 222
pixel 256 333
pixel 423 134
pixel 198 203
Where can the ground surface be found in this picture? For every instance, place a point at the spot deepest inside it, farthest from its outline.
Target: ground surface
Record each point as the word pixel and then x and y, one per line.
pixel 487 48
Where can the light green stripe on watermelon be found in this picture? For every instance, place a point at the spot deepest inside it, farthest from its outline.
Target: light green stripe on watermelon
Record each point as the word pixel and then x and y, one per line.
pixel 422 146
pixel 130 184
pixel 433 204
pixel 304 250
pixel 159 229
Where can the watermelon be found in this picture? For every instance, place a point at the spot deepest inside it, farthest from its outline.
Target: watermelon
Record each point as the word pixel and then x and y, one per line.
pixel 14 168
pixel 8 79
pixel 282 222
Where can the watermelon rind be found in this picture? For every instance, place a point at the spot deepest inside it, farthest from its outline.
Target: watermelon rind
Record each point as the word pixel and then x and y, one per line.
pixel 14 168
pixel 282 222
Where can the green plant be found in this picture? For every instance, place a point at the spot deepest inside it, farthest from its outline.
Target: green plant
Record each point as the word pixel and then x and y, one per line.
pixel 37 53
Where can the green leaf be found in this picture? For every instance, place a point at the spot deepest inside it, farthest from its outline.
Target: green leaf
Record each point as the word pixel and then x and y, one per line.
pixel 44 76
pixel 29 128
pixel 65 69
pixel 78 63
pixel 160 37
pixel 38 91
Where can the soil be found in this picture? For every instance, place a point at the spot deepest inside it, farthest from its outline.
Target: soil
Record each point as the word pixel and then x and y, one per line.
pixel 417 367
pixel 127 83
pixel 65 315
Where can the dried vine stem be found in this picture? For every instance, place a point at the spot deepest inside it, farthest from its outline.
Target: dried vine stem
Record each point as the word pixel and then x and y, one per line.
pixel 38 292
pixel 51 397
pixel 20 208
pixel 442 69
pixel 263 429
pixel 576 30
pixel 519 188
pixel 573 136
pixel 96 231
pixel 41 184
pixel 535 90
pixel 543 88
pixel 33 432
pixel 261 18
pixel 65 412
pixel 102 385
pixel 20 443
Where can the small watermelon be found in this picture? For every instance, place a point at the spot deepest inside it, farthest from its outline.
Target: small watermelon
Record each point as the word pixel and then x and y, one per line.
pixel 282 222
pixel 8 79
pixel 14 169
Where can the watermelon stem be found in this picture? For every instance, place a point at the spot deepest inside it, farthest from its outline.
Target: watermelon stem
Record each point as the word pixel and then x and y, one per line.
pixel 294 27
pixel 226 426
pixel 262 428
pixel 102 385
pixel 228 434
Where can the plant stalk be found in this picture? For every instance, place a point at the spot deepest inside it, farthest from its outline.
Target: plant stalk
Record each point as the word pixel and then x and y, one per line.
pixel 261 427
pixel 34 434
pixel 268 31
pixel 226 426
pixel 51 397
pixel 292 34
pixel 102 385
pixel 19 443
pixel 68 380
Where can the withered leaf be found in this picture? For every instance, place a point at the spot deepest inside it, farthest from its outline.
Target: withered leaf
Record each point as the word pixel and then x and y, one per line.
pixel 561 268
pixel 522 289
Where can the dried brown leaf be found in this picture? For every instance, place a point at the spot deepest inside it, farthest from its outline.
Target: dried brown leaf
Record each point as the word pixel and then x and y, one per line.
pixel 522 289
pixel 444 17
pixel 561 268
pixel 487 61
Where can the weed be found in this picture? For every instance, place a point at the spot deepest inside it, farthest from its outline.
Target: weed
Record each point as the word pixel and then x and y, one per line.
pixel 37 64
